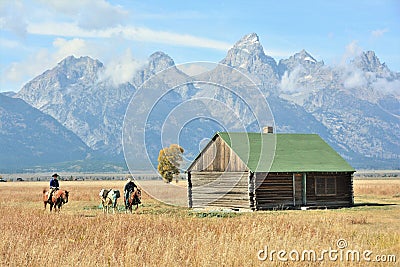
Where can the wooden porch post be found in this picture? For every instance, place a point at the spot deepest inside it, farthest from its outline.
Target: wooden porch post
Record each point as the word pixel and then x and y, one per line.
pixel 294 189
pixel 304 189
pixel 190 200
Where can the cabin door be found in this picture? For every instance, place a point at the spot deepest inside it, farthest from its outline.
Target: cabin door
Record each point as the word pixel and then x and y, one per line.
pixel 298 189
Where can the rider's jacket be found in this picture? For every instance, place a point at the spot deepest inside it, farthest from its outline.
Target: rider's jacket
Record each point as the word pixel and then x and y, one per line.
pixel 129 187
pixel 54 183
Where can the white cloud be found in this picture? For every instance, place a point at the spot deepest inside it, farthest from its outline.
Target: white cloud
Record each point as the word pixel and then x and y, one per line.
pixel 354 78
pixel 32 66
pixel 289 82
pixel 352 50
pixel 378 33
pixel 126 32
pixel 12 17
pixel 76 47
pixel 10 44
pixel 145 34
pixel 16 16
pixel 43 59
pixel 121 69
pixel 384 86
pixel 89 14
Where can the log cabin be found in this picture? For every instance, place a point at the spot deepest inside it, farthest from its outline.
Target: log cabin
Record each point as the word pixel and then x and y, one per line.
pixel 262 171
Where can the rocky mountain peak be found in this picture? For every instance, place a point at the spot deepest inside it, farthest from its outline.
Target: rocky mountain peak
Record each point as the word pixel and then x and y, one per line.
pixel 156 63
pixel 72 94
pixel 305 95
pixel 248 54
pixel 159 61
pixel 368 61
pixel 301 59
pixel 248 45
pixel 71 72
pixel 249 41
pixel 81 66
pixel 304 56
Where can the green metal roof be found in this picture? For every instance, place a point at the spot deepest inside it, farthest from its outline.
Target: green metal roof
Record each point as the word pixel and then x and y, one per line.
pixel 285 152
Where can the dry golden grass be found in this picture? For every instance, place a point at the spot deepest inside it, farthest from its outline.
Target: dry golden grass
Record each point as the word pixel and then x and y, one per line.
pixel 161 235
pixel 384 187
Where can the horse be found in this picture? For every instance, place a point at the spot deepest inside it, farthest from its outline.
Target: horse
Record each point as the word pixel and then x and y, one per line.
pixel 58 198
pixel 133 200
pixel 109 199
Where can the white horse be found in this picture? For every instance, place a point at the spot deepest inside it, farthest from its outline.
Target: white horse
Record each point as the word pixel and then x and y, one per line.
pixel 109 199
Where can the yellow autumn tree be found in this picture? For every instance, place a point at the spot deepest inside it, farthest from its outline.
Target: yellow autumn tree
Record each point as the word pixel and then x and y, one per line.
pixel 169 160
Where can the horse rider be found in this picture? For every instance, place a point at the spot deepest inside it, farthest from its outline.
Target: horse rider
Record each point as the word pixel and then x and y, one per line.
pixel 54 185
pixel 128 188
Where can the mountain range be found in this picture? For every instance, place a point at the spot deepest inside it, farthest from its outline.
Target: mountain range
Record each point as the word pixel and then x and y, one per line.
pixel 71 113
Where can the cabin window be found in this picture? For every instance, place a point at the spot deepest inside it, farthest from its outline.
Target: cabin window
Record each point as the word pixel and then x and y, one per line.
pixel 325 186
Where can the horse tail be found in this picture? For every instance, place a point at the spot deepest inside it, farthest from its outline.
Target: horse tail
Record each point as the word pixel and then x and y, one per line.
pixel 44 191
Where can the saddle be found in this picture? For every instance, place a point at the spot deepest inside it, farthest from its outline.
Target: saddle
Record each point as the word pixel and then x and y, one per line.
pixel 51 194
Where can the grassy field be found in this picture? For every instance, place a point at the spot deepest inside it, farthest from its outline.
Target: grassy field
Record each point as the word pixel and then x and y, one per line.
pixel 161 235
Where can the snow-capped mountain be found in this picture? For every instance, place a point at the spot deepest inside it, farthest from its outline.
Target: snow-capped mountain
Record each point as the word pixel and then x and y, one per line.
pixel 248 56
pixel 369 62
pixel 355 107
pixel 74 95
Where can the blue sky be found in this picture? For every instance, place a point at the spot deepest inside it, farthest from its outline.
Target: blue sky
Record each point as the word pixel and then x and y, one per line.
pixel 36 35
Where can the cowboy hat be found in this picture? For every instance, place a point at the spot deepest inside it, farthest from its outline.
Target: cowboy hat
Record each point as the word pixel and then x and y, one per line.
pixel 55 175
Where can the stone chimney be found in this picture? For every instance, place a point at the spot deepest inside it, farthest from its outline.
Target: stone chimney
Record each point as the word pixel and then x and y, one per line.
pixel 268 129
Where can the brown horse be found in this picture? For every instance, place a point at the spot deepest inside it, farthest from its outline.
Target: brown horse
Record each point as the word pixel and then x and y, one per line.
pixel 58 198
pixel 133 199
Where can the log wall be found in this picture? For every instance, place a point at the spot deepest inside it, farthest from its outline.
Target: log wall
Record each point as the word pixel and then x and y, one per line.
pixel 274 191
pixel 218 189
pixel 344 191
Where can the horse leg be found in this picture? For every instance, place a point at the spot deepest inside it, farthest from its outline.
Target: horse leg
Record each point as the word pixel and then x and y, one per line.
pixel 113 207
pixel 126 203
pixel 127 208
